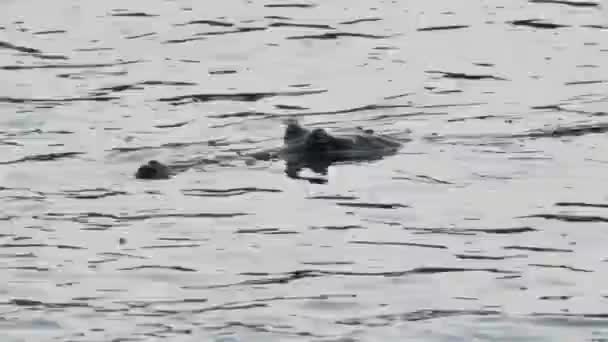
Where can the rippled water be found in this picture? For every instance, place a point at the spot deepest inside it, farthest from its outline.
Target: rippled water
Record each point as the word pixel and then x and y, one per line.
pixel 490 225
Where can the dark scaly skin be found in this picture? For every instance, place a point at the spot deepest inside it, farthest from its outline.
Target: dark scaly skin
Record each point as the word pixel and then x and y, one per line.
pixel 305 148
pixel 153 170
pixel 317 150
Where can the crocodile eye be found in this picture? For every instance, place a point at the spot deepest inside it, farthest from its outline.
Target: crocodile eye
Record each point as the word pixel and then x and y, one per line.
pixel 319 135
pixel 293 131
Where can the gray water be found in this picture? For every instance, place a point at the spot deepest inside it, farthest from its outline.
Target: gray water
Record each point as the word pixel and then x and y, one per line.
pixel 490 225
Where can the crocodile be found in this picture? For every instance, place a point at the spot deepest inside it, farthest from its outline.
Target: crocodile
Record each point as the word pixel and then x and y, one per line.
pixel 315 149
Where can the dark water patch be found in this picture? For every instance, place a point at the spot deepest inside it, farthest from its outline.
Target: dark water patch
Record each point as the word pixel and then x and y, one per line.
pixel 222 72
pixel 123 218
pixel 141 35
pixel 265 231
pixel 539 249
pixel 312 26
pixel 334 197
pixel 372 205
pixel 21 238
pixel 570 316
pixel 460 75
pixel 244 97
pixel 387 48
pixel 536 23
pixel 300 85
pixel 293 5
pixel 487 65
pixel 600 27
pixel 569 218
pixel 190 245
pixel 418 270
pixel 247 114
pixel 444 231
pixel 174 239
pixel 327 263
pixel 472 231
pixel 565 267
pixel 10 143
pixel 448 105
pixel 207 22
pixel 515 230
pixel 554 297
pixel 85 299
pixel 27 268
pixel 488 257
pixel 372 107
pixel 138 304
pixel 479 117
pixel 18 255
pixel 567 3
pixel 38 245
pixel 37 303
pixel 50 32
pixel 226 192
pixel 122 255
pixel 391 243
pixel 82 76
pixel 282 278
pixel 290 107
pixel 173 125
pixel 585 82
pixel 336 35
pixel 287 277
pixel 277 17
pixel 134 14
pixel 92 193
pixel 98 226
pixel 120 88
pixel 393 97
pixel 170 145
pixel 405 115
pixel 422 179
pixel 357 21
pixel 559 132
pixel 282 232
pixel 38 131
pixel 257 230
pixel 442 28
pixel 43 157
pixel 237 30
pixel 419 315
pixel 222 307
pixel 24 49
pixel 95 49
pixel 94 263
pixel 52 101
pixel 159 267
pixel 267 328
pixel 559 108
pixel 446 92
pixel 50 57
pixel 580 204
pixel 66 66
pixel 345 227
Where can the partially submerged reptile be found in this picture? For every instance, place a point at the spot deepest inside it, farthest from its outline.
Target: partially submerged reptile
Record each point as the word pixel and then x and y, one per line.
pixel 315 149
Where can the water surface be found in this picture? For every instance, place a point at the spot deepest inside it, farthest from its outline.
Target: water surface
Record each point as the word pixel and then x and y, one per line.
pixel 489 225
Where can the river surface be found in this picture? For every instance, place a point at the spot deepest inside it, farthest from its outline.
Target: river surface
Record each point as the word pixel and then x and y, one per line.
pixel 489 225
